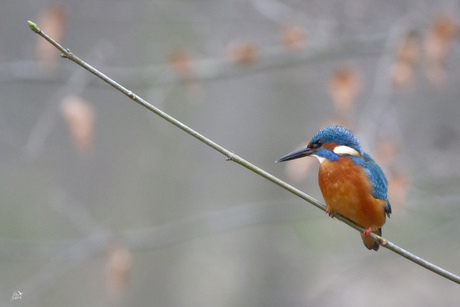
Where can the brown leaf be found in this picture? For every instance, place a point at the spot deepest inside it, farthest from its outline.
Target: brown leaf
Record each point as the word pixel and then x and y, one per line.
pixel 293 37
pixel 444 28
pixel 79 116
pixel 402 74
pixel 52 21
pixel 344 86
pixel 180 62
pixel 438 42
pixel 408 50
pixel 119 264
pixel 242 52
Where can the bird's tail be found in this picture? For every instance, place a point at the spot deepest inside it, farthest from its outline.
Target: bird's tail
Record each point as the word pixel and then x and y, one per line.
pixel 371 243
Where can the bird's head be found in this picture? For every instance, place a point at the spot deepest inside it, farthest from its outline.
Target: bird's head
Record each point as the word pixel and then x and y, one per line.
pixel 329 143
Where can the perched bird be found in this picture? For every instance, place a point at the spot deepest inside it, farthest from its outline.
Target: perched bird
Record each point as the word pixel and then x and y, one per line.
pixel 352 184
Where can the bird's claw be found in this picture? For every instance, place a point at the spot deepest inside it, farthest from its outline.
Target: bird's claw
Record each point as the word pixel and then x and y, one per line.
pixel 367 231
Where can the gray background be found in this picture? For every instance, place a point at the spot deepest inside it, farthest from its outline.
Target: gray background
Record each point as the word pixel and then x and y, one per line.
pixel 201 231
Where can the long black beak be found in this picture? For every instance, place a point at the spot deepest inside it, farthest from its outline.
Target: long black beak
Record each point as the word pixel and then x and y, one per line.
pixel 299 153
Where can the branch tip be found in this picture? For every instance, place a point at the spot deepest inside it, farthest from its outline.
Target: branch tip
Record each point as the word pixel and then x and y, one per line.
pixel 33 26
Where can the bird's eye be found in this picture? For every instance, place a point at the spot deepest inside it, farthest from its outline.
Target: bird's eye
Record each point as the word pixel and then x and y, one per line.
pixel 316 144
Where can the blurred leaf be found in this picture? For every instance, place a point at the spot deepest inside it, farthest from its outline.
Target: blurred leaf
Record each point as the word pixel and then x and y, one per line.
pixel 118 270
pixel 437 45
pixel 52 21
pixel 79 116
pixel 293 37
pixel 402 74
pixel 242 52
pixel 344 86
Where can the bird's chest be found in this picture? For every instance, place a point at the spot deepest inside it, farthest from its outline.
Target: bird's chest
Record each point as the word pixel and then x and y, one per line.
pixel 345 187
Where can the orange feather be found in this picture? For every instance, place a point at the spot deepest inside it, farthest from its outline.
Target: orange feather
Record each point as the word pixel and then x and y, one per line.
pixel 347 191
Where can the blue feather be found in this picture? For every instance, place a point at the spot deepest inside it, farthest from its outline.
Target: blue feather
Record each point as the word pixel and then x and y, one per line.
pixel 339 135
pixel 377 178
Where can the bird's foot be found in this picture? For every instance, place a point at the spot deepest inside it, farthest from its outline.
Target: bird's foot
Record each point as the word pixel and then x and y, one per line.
pixel 367 231
pixel 329 212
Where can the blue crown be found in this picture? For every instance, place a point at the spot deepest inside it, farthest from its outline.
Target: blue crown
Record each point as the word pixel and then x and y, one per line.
pixel 339 135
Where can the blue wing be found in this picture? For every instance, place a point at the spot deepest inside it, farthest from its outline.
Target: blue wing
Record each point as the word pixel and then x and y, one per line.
pixel 377 177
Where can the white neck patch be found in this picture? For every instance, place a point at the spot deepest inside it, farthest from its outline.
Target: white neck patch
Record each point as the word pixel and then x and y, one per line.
pixel 321 159
pixel 345 150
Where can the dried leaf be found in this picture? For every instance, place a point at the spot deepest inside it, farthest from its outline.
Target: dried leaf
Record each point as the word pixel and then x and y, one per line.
pixel 79 117
pixel 402 74
pixel 438 42
pixel 344 87
pixel 408 50
pixel 444 28
pixel 53 21
pixel 293 37
pixel 181 63
pixel 119 264
pixel 242 52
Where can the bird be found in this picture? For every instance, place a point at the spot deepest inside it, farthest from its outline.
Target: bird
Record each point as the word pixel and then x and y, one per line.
pixel 351 182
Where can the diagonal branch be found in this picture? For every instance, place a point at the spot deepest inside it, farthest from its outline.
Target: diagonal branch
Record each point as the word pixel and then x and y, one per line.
pixel 230 156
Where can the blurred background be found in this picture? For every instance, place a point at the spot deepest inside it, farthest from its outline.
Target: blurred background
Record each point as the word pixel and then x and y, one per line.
pixel 104 203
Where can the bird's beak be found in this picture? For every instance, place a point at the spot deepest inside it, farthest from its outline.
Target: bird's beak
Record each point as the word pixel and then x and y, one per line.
pixel 299 153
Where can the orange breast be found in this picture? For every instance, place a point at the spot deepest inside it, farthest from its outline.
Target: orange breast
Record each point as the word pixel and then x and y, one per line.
pixel 347 191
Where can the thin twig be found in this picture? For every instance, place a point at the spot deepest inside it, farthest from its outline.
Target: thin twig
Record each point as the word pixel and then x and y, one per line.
pixel 233 157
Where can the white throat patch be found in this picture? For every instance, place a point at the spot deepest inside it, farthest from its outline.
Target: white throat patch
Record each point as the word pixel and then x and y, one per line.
pixel 345 150
pixel 321 159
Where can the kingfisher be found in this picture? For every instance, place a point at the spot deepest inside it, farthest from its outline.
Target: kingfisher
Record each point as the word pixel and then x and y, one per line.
pixel 352 183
